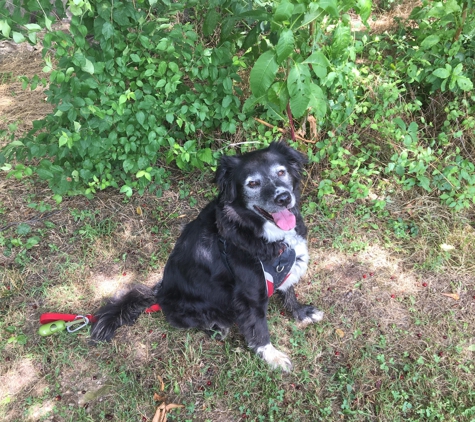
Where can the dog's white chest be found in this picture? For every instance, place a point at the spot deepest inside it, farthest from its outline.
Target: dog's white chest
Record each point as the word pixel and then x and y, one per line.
pixel 272 233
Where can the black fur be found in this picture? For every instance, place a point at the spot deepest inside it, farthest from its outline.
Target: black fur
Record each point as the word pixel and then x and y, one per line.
pixel 202 290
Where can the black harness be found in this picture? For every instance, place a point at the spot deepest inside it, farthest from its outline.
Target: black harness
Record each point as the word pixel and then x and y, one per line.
pixel 275 272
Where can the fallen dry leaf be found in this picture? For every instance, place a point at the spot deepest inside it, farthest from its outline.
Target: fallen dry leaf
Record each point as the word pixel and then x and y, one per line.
pixel 340 333
pixel 139 211
pixel 162 384
pixel 313 127
pixel 454 296
pixel 159 397
pixel 161 412
pixel 446 247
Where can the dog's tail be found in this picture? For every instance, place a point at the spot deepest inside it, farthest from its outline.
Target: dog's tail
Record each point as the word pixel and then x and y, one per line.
pixel 123 311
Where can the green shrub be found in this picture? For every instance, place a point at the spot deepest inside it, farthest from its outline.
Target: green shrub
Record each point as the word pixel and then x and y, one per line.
pixel 134 88
pixel 138 85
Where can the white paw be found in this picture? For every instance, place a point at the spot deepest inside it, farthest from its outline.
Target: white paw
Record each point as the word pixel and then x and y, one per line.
pixel 311 318
pixel 275 358
pixel 316 316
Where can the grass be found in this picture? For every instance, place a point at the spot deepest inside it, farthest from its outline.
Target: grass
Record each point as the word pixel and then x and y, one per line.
pixel 391 347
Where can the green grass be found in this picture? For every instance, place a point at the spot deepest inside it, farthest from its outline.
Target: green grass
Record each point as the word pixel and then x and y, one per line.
pixel 391 347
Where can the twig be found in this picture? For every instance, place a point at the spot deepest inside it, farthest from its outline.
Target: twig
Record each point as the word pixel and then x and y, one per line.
pixel 291 122
pixel 283 131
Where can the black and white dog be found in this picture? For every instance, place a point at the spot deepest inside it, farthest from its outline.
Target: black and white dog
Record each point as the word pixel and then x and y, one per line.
pixel 222 266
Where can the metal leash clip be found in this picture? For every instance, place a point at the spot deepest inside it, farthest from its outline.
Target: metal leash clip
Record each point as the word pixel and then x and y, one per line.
pixel 77 320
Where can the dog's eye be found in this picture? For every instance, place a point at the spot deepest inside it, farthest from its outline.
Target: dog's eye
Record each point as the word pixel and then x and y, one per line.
pixel 253 183
pixel 281 173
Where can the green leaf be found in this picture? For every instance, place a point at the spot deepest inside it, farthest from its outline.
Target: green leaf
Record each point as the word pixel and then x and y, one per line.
pixel 285 46
pixel 464 83
pixel 211 22
pixel 48 23
pixel 278 94
pixel 44 174
pixel 430 41
pixel 88 67
pixel 173 67
pixel 342 39
pixel 227 28
pixel 5 28
pixel 22 339
pixel 32 37
pixel 33 27
pixel 228 85
pixel 283 12
pixel 458 69
pixel 425 183
pixel 364 7
pixel 107 30
pixel 32 241
pixel 23 229
pixel 250 104
pixel 441 72
pixel 63 139
pixel 18 37
pixel 227 100
pixel 135 58
pixel 128 165
pixel 251 38
pixel 314 12
pixel 330 6
pixel 319 63
pixel 205 155
pixel 298 83
pixel 140 116
pixel 453 81
pixel 127 190
pixel 263 73
pixel 317 101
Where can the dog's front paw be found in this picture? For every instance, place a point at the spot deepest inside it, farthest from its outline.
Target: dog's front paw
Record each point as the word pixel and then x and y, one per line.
pixel 275 358
pixel 308 315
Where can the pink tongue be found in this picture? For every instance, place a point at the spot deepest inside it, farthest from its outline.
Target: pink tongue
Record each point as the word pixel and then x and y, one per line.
pixel 284 219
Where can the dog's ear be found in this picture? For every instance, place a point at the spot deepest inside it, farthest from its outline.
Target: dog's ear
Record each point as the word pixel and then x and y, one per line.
pixel 225 179
pixel 295 158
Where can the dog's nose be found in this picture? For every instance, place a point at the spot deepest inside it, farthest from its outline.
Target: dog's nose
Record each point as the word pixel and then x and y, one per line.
pixel 283 199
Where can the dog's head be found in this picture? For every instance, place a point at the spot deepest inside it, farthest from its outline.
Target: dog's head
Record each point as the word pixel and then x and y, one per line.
pixel 265 181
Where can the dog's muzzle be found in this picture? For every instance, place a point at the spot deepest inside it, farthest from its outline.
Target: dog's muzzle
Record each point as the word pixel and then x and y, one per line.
pixel 283 199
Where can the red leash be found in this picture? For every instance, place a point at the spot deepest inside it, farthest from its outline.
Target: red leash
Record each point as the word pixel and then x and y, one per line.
pixel 53 316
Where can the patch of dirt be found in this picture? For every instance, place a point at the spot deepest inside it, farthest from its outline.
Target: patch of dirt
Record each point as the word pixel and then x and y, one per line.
pixel 387 20
pixel 18 105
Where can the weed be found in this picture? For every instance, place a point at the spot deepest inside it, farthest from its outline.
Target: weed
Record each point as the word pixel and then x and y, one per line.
pixel 41 206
